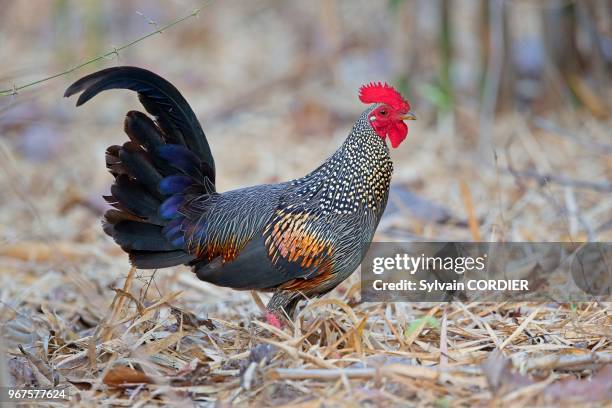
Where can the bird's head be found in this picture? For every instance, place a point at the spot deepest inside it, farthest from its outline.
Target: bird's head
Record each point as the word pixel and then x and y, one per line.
pixel 387 118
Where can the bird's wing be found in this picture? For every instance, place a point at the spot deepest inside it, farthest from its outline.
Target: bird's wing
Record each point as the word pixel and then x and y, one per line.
pixel 286 248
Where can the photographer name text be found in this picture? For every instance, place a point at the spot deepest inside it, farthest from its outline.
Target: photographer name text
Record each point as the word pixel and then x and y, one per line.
pixel 433 286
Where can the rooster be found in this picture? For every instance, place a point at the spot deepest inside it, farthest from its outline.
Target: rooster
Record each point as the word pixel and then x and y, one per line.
pixel 297 239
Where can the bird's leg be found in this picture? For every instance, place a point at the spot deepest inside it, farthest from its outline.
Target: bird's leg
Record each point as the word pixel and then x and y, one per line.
pixel 281 306
pixel 273 320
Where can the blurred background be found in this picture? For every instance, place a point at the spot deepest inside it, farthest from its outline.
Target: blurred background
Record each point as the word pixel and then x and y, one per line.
pixel 512 99
pixel 512 143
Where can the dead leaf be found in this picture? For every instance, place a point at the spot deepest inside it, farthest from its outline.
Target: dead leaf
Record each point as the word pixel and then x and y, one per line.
pixel 498 372
pixel 262 352
pixel 596 388
pixel 494 368
pixel 193 373
pixel 401 198
pixel 121 375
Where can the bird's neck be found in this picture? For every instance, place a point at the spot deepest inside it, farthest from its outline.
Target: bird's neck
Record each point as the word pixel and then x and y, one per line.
pixel 354 178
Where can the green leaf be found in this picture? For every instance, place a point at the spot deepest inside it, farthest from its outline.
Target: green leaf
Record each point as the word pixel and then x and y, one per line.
pixel 437 96
pixel 393 5
pixel 442 403
pixel 430 321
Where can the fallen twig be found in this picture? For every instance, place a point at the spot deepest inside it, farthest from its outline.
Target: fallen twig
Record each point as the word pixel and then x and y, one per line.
pixel 117 306
pixel 565 361
pixel 553 129
pixel 562 180
pixel 15 89
pixel 520 329
pixel 412 371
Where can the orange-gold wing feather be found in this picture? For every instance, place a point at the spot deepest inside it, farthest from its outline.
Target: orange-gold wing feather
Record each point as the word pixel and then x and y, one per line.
pixel 227 248
pixel 293 240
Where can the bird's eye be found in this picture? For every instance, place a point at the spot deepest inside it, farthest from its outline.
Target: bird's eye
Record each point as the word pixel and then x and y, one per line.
pixel 383 112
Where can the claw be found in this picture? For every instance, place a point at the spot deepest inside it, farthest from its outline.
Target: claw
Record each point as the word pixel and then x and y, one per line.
pixel 273 320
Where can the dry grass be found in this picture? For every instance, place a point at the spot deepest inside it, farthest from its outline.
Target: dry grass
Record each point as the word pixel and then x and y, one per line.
pixel 115 335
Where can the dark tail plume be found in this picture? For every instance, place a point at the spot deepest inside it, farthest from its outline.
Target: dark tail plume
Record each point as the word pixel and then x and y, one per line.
pixel 160 98
pixel 164 164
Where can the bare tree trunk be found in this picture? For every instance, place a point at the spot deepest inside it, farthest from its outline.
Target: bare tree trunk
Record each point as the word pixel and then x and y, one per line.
pixel 587 12
pixel 493 75
pixel 562 57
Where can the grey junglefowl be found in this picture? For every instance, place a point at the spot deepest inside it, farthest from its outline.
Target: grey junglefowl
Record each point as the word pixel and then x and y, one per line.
pixel 297 239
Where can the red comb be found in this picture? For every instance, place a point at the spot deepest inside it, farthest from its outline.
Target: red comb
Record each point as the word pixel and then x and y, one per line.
pixel 383 93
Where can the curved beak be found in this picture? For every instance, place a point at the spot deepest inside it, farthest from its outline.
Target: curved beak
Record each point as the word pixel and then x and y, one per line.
pixel 409 116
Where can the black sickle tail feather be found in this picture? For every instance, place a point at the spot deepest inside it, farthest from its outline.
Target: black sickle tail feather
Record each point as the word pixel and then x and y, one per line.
pixel 160 98
pixel 164 164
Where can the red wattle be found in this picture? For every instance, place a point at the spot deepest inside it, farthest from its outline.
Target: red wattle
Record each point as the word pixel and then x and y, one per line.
pixel 397 134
